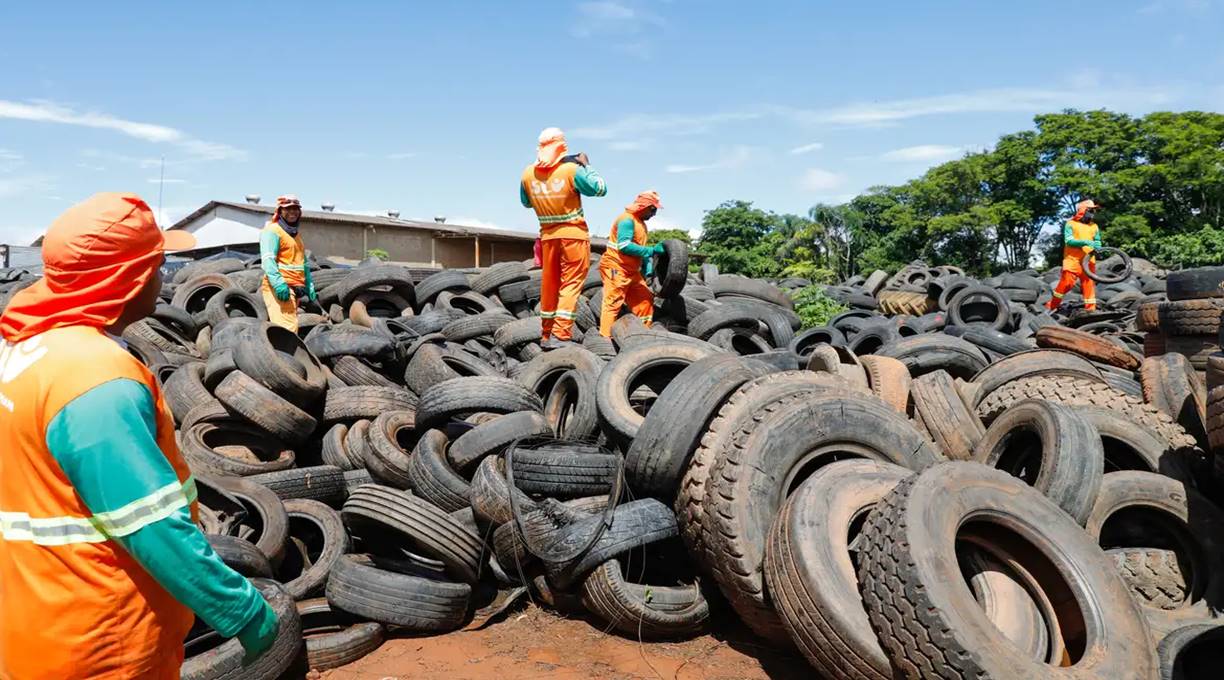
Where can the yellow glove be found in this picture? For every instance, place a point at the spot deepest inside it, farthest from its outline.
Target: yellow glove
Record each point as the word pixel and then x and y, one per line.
pixel 1088 249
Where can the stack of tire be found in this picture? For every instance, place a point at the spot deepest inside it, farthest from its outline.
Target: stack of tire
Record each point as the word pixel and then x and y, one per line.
pixel 412 450
pixel 1189 322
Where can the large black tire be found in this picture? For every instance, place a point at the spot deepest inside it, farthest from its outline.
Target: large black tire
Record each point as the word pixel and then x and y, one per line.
pixel 811 576
pixel 498 275
pixel 230 448
pixel 462 396
pixel 263 408
pixel 541 373
pixel 570 408
pixel 766 460
pixel 322 532
pixel 978 304
pixel 1171 384
pixel 1087 345
pixel 448 279
pixel 748 316
pixel 333 638
pixel 278 359
pixel 653 364
pixel 431 477
pixel 1131 445
pixel 361 279
pixel 648 611
pixel 193 295
pixel 354 372
pixel 923 354
pixel 470 448
pixel 388 440
pixel 1193 284
pixel 564 470
pixel 1195 652
pixel 486 323
pixel 491 494
pixel 1141 509
pixel 191 270
pixel 1032 363
pixel 633 525
pixel 241 555
pixel 671 268
pixel 323 483
pixel 430 530
pixel 925 618
pixel 225 661
pixel 264 523
pixel 672 430
pixel 184 390
pixel 326 342
pixel 940 409
pixel 1191 317
pixel 233 303
pixel 351 403
pixel 432 364
pixel 731 285
pixel 1077 391
pixel 1051 448
pixel 414 602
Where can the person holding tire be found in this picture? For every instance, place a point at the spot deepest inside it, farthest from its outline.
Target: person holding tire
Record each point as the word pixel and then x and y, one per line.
pixel 283 260
pixel 102 567
pixel 1080 237
pixel 554 186
pixel 627 262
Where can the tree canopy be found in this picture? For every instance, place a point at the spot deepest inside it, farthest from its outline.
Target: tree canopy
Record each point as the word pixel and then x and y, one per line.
pixel 1161 178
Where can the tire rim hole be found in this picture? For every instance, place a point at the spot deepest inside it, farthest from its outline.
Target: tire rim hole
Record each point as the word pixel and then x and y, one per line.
pixel 1120 455
pixel 1021 457
pixel 1043 579
pixel 1148 527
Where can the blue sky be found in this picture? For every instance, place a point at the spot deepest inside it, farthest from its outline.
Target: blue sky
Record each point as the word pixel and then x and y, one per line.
pixel 434 108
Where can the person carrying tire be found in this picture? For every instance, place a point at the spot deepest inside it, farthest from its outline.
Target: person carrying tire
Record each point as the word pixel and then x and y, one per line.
pixel 1080 237
pixel 283 259
pixel 554 186
pixel 627 262
pixel 101 563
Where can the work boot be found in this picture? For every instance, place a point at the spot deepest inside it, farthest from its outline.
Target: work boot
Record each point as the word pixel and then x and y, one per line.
pixel 554 343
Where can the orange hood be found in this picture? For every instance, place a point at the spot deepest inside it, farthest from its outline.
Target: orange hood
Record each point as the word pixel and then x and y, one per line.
pixel 97 256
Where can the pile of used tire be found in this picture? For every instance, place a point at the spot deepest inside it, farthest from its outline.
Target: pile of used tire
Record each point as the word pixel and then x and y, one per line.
pixel 944 482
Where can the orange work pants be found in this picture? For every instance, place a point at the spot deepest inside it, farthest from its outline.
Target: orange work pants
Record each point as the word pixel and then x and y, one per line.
pixel 565 265
pixel 623 288
pixel 1067 282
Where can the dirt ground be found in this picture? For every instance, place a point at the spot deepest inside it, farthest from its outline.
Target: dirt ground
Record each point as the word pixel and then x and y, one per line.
pixel 533 643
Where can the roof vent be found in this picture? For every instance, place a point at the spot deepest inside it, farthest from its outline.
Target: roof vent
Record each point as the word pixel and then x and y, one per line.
pixel 393 214
pixel 329 207
pixel 253 199
pixel 440 219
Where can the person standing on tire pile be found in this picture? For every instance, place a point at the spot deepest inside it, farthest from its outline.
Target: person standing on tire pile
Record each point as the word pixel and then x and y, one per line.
pixel 283 259
pixel 1080 237
pixel 554 186
pixel 101 563
pixel 627 262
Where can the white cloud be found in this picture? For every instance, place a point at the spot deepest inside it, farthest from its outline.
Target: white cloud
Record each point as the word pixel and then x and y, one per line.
pixel 806 148
pixel 610 17
pixel 403 155
pixel 626 146
pixel 642 125
pixel 734 158
pixel 923 153
pixel 819 180
pixel 158 180
pixel 27 184
pixel 42 111
pixel 6 155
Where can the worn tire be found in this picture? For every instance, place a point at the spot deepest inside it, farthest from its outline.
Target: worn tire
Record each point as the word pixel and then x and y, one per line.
pixel 414 602
pixel 471 447
pixel 277 358
pixel 1051 448
pixel 333 638
pixel 262 407
pixel 649 611
pixel 945 416
pixel 654 364
pixel 431 477
pixel 324 528
pixel 923 354
pixel 225 662
pixel 919 607
pixel 461 396
pixel 351 403
pixel 1087 345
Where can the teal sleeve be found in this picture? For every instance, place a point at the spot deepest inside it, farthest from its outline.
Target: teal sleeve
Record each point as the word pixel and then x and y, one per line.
pixel 269 246
pixel 105 441
pixel 624 241
pixel 524 197
pixel 309 281
pixel 1067 237
pixel 589 183
pixel 1096 239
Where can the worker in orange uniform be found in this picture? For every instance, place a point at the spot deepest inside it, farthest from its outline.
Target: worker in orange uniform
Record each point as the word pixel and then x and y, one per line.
pixel 554 186
pixel 102 568
pixel 1080 237
pixel 283 260
pixel 627 262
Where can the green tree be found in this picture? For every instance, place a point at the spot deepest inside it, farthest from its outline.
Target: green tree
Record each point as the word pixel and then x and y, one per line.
pixel 741 239
pixel 657 236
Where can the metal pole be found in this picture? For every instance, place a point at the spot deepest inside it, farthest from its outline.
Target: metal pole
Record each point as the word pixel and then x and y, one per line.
pixel 477 242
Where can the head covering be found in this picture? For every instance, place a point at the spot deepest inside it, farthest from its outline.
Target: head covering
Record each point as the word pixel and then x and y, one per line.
pixel 1083 207
pixel 552 147
pixel 284 202
pixel 644 200
pixel 96 257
